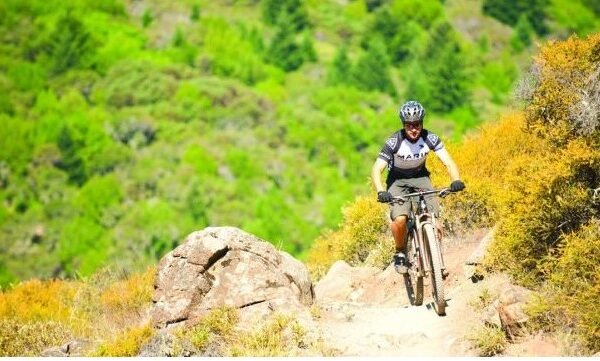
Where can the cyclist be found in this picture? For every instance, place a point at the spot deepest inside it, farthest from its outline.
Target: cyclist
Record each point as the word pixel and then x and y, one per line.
pixel 404 154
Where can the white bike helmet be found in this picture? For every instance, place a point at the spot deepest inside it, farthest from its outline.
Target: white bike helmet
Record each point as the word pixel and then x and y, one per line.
pixel 411 111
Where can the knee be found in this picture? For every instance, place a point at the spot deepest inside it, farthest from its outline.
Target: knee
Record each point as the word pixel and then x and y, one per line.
pixel 400 221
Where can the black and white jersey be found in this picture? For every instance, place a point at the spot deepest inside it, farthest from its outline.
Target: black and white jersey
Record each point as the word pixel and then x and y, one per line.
pixel 406 159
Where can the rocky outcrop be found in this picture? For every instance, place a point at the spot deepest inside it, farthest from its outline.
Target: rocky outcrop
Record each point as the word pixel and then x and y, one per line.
pixel 225 266
pixel 507 310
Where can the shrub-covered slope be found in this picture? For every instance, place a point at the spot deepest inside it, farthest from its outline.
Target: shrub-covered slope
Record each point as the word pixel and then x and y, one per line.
pixel 128 124
pixel 536 176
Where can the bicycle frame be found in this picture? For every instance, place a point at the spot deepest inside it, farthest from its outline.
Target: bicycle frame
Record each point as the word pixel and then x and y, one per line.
pixel 423 252
pixel 417 220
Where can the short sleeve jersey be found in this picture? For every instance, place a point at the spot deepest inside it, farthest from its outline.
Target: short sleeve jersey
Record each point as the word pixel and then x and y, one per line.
pixel 406 159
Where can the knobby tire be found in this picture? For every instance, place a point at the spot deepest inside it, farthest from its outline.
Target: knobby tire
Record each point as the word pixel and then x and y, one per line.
pixel 414 278
pixel 437 282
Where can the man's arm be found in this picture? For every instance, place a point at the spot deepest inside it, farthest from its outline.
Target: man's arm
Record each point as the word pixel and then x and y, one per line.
pixel 376 171
pixel 445 157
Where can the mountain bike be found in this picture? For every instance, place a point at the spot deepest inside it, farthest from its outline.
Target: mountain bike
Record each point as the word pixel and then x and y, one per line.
pixel 423 251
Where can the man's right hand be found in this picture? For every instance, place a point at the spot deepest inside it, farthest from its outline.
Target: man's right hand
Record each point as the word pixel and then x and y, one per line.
pixel 384 197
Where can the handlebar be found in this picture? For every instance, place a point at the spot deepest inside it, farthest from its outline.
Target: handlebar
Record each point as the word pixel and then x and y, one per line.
pixel 443 192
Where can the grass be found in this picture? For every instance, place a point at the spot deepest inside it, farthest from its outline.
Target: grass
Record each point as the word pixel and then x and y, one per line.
pixel 38 314
pixel 126 343
pixel 30 338
pixel 277 337
pixel 489 340
pixel 483 300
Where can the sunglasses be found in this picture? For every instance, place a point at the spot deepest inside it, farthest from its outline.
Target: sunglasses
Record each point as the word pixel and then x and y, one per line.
pixel 412 125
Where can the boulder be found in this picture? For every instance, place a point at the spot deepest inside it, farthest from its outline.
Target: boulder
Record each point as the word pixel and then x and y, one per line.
pixel 507 310
pixel 225 266
pixel 512 302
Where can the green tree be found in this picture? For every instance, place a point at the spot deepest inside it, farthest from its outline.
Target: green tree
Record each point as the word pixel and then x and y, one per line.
pixel 445 83
pixel 195 15
pixel 399 35
pixel 404 42
pixel 372 5
pixel 82 247
pixel 97 196
pixel 179 38
pixel 293 11
pixel 71 161
pixel 509 11
pixel 70 44
pixel 340 70
pixel 147 18
pixel 284 50
pixel 594 5
pixel 308 49
pixel 522 34
pixel 371 71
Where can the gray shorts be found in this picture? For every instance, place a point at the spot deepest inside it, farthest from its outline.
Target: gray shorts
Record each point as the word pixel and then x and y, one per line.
pixel 405 186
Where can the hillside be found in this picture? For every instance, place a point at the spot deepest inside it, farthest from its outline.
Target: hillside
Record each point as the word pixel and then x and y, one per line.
pixel 128 124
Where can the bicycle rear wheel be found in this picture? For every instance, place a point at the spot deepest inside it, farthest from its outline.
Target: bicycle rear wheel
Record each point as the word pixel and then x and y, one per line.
pixel 413 279
pixel 437 282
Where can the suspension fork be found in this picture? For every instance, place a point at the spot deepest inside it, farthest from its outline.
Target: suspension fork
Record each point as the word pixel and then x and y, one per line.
pixel 425 250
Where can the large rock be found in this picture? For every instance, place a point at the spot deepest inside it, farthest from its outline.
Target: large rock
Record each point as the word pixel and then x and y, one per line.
pixel 508 309
pixel 225 266
pixel 513 301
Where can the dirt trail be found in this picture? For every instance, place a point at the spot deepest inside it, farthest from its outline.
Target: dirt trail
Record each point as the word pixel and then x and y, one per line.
pixel 395 328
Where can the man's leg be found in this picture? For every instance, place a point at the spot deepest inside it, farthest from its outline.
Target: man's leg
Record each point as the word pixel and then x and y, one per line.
pixel 399 217
pixel 399 230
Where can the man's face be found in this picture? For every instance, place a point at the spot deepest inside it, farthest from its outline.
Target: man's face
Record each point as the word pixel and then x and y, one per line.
pixel 413 130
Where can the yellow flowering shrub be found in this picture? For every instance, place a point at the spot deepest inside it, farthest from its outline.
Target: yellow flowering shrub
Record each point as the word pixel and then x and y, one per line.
pixel 565 70
pixel 574 283
pixel 129 294
pixel 126 343
pixel 365 225
pixel 37 300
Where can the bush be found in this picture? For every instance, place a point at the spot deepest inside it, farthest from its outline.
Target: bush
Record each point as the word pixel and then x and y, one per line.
pixel 126 343
pixel 363 230
pixel 489 340
pixel 134 82
pixel 567 71
pixel 30 338
pixel 509 11
pixel 129 295
pixel 229 53
pixel 574 283
pixel 36 300
pixel 35 315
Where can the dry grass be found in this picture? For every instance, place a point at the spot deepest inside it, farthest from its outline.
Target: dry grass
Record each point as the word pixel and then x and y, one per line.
pixel 489 340
pixel 280 336
pixel 39 314
pixel 30 338
pixel 126 343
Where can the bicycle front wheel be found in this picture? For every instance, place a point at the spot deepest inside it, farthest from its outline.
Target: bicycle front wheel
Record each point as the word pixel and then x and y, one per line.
pixel 435 257
pixel 413 280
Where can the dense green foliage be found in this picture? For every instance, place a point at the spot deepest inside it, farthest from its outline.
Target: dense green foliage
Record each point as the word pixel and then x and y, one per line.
pixel 126 125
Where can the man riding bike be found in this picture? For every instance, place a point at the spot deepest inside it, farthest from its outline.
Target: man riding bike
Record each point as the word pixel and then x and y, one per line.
pixel 404 155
